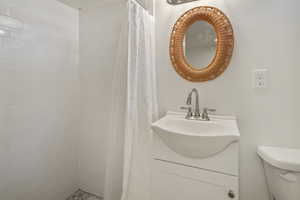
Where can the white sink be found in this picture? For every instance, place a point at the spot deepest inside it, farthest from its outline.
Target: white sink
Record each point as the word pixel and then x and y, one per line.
pixel 194 138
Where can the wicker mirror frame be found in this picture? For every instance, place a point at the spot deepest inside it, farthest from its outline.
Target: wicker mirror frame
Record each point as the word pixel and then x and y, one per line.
pixel 224 49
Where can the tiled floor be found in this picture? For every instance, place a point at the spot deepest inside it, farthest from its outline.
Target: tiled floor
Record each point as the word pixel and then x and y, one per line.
pixel 81 195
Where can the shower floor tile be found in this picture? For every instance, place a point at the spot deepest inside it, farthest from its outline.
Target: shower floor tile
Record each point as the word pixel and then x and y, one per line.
pixel 82 195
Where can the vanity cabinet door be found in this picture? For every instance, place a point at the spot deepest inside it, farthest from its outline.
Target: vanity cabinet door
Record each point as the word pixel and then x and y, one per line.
pixel 177 182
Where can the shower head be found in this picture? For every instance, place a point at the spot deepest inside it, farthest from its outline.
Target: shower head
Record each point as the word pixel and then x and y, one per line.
pixel 176 2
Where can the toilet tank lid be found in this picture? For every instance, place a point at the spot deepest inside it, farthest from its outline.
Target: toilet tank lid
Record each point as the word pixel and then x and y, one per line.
pixel 283 158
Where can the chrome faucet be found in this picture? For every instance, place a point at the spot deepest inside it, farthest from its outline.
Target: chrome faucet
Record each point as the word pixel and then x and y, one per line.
pixel 196 114
pixel 189 102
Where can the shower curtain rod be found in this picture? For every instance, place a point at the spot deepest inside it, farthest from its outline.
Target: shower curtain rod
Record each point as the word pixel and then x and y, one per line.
pixel 176 2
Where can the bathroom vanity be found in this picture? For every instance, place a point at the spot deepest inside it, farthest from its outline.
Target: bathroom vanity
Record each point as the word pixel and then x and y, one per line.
pixel 195 159
pixel 195 155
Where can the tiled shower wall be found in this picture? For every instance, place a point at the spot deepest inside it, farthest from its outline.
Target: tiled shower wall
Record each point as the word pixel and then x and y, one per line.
pixel 39 87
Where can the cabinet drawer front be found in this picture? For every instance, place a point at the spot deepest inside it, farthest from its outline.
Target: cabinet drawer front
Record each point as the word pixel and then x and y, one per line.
pixel 175 182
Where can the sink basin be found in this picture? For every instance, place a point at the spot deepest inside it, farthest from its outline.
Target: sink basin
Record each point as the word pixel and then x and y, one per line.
pixel 194 138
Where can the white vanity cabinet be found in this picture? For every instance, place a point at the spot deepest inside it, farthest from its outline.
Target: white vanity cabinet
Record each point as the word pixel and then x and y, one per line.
pixel 177 182
pixel 188 163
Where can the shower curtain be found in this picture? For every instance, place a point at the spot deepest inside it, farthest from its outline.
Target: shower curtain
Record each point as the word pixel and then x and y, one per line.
pixel 131 121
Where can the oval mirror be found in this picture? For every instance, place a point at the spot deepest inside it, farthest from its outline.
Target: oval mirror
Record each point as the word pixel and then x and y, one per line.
pixel 201 44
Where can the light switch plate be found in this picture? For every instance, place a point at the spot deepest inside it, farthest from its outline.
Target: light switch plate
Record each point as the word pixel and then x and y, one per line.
pixel 260 78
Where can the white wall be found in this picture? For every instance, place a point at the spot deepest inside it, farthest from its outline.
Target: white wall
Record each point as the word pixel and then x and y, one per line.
pixel 147 4
pixel 100 26
pixel 39 87
pixel 266 34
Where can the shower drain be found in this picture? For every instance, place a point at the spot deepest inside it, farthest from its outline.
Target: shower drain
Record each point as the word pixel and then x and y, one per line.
pixel 82 195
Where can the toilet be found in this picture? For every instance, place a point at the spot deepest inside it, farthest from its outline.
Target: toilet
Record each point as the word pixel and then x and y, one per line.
pixel 282 169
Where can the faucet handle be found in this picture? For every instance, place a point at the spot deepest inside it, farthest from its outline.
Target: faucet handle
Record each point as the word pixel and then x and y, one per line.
pixel 204 114
pixel 209 110
pixel 189 111
pixel 185 107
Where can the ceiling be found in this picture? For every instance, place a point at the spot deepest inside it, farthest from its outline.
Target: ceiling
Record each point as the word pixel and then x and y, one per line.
pixel 72 3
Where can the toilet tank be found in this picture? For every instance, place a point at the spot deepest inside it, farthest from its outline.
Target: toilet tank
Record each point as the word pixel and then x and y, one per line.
pixel 282 168
pixel 283 184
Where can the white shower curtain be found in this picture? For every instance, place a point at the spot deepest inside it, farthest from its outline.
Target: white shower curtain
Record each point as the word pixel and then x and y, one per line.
pixel 140 112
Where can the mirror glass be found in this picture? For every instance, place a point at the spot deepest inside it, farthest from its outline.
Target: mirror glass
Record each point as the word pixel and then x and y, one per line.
pixel 200 44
